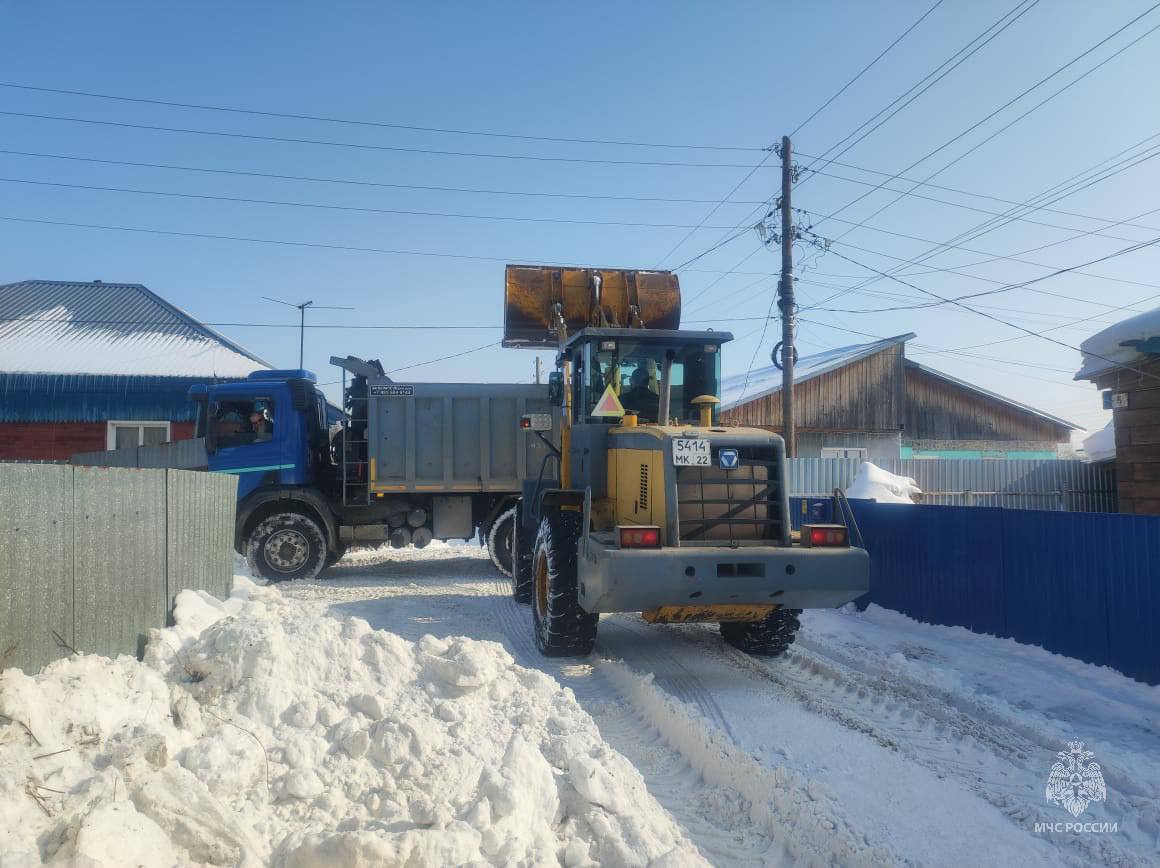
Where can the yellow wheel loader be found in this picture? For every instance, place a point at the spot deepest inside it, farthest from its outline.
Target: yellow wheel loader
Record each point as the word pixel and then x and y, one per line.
pixel 649 504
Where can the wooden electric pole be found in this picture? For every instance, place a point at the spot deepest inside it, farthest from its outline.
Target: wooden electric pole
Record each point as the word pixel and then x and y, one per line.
pixel 785 300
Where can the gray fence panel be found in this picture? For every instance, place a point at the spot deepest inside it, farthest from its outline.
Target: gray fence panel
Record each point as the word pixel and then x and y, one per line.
pixel 119 558
pixel 200 531
pixel 1073 486
pixel 36 563
pixel 183 454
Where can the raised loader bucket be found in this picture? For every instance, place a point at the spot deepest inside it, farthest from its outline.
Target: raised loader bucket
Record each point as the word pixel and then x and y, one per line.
pixel 605 297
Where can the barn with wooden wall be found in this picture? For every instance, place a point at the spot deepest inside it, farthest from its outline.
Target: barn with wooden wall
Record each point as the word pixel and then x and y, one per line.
pixel 870 401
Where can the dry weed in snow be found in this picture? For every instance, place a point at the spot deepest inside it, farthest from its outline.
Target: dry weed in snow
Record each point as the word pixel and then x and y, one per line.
pixel 265 731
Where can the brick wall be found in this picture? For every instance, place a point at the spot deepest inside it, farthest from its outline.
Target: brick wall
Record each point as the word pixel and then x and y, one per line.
pixel 1137 436
pixel 58 441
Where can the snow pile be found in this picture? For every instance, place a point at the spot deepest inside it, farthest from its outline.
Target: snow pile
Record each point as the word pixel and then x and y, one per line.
pixel 1101 446
pixel 261 730
pixel 1120 344
pixel 874 483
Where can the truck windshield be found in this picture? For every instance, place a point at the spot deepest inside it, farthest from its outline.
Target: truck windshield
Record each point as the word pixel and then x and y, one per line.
pixel 632 369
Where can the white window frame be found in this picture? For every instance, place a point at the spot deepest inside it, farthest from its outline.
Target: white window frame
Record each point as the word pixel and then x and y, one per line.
pixel 861 453
pixel 140 425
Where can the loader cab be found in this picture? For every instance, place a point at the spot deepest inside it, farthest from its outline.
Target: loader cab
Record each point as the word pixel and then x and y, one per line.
pixel 621 371
pixel 269 429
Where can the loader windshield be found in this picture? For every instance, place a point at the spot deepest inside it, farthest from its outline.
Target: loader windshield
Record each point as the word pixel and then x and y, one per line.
pixel 632 369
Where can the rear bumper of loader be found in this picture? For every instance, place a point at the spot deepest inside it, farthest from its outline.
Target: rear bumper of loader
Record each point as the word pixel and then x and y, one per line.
pixel 637 580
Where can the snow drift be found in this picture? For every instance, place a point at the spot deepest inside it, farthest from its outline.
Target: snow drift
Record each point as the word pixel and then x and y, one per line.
pixel 874 483
pixel 260 730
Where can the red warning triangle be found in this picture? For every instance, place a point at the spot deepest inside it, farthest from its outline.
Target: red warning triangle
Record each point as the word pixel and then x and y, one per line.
pixel 608 405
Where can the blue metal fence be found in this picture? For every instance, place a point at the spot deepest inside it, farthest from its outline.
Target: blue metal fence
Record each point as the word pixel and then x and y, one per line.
pixel 1086 585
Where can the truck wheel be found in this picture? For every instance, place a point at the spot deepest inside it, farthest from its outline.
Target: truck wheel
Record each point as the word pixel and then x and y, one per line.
pixel 523 551
pixel 499 541
pixel 286 546
pixel 562 628
pixel 769 637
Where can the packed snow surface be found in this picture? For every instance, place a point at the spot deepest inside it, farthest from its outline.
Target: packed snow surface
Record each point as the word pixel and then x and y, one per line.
pixel 262 730
pixel 874 483
pixel 1117 344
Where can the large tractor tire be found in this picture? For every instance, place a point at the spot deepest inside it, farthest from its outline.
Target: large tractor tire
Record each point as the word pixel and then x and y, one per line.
pixel 523 552
pixel 562 628
pixel 769 637
pixel 287 545
pixel 499 541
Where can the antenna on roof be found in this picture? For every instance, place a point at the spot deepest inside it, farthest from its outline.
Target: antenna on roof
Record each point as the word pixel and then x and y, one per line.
pixel 302 319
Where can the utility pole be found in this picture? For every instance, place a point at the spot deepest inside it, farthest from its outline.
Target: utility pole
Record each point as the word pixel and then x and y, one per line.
pixel 538 369
pixel 785 300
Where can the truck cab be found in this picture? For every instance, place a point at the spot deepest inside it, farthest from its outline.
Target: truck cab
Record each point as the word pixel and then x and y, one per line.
pixel 270 429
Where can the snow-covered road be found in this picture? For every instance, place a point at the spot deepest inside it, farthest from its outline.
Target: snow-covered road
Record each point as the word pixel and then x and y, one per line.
pixel 876 740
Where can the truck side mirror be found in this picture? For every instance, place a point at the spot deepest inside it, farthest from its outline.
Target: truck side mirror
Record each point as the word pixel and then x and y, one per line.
pixel 556 388
pixel 211 439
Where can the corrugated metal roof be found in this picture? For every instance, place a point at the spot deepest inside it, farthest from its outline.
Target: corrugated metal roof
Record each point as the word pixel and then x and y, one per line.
pixel 62 327
pixel 767 380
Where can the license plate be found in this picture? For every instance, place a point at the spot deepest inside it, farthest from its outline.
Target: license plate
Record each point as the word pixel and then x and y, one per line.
pixel 691 453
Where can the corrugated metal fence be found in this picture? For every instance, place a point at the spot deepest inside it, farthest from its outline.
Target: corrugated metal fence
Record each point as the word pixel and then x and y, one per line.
pixel 91 558
pixel 181 454
pixel 1071 486
pixel 1084 585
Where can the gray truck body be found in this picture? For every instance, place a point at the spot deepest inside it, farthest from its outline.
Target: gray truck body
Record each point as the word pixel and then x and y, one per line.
pixel 453 437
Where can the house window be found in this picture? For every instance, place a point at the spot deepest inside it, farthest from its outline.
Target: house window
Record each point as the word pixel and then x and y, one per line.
pixel 845 452
pixel 126 435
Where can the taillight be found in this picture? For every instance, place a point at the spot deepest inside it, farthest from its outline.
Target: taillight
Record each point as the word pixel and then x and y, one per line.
pixel 639 537
pixel 825 535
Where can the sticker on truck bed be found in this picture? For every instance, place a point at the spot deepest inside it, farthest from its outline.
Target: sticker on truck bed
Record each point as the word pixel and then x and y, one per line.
pixel 391 390
pixel 688 452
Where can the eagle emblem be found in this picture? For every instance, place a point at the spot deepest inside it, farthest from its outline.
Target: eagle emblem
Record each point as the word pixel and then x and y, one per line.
pixel 1074 782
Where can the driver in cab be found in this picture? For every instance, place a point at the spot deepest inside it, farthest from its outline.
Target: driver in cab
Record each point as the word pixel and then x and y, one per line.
pixel 640 398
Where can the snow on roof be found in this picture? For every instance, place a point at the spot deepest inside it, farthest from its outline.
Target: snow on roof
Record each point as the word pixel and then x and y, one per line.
pixel 1120 344
pixel 767 380
pixel 1101 446
pixel 59 327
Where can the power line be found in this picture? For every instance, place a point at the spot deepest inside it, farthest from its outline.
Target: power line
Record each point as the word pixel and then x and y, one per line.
pixel 444 358
pixel 1068 187
pixel 1012 101
pixel 364 183
pixel 399 149
pixel 362 122
pixel 714 209
pixel 352 208
pixel 867 67
pixel 1001 321
pixel 933 77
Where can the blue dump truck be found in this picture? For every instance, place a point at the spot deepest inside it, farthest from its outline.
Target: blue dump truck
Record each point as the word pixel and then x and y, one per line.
pixel 408 463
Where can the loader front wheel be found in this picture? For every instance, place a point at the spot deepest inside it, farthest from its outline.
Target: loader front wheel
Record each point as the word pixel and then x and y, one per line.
pixel 562 628
pixel 769 637
pixel 287 545
pixel 523 552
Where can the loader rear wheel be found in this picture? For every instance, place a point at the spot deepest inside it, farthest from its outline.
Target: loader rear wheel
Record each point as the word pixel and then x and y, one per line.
pixel 523 551
pixel 562 628
pixel 287 545
pixel 769 637
pixel 499 541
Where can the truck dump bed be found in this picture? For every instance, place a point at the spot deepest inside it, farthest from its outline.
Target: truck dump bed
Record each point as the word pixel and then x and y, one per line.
pixel 453 437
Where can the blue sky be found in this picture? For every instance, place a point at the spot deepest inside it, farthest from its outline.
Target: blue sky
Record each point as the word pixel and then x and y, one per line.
pixel 731 74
